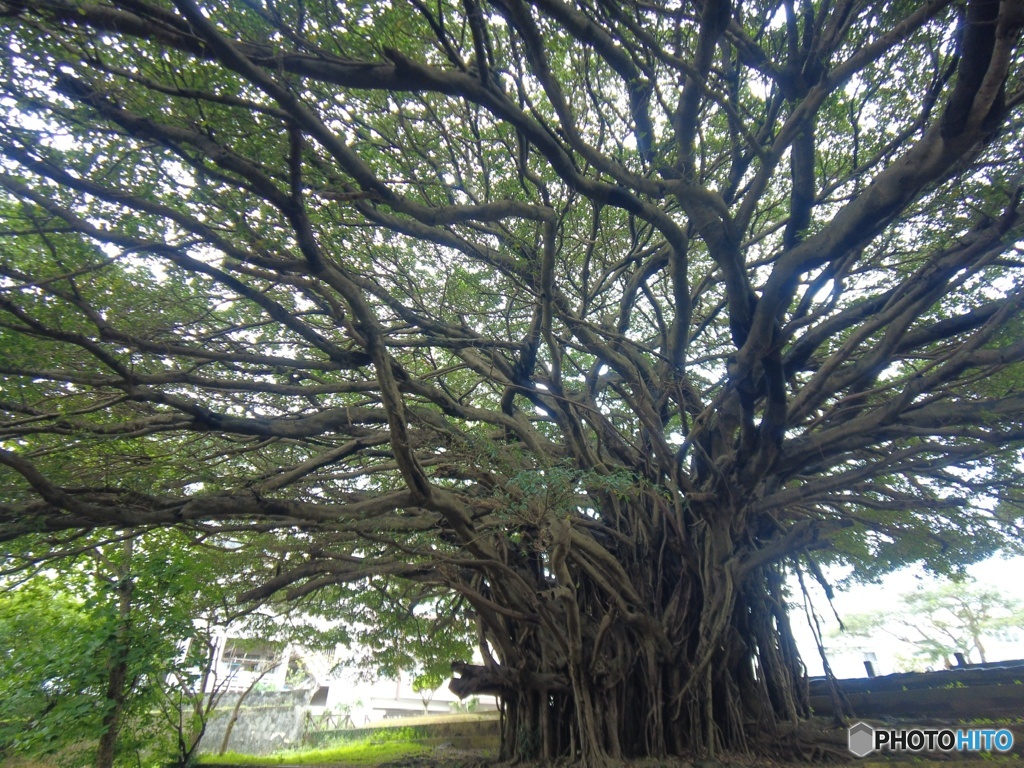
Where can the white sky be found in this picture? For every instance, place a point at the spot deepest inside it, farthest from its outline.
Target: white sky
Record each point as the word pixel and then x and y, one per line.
pixel 1004 574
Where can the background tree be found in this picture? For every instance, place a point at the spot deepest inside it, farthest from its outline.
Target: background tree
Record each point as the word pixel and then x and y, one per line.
pixel 955 617
pixel 110 647
pixel 591 317
pixel 88 649
pixel 49 675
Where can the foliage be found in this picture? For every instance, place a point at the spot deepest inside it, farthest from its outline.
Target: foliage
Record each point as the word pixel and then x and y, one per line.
pixel 66 636
pixel 954 617
pixel 563 327
pixel 469 706
pixel 67 626
pixel 49 676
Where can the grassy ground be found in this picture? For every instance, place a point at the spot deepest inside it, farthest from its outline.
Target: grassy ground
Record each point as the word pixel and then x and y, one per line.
pixel 356 753
pixel 406 741
pixel 402 744
pixel 394 745
pixel 381 746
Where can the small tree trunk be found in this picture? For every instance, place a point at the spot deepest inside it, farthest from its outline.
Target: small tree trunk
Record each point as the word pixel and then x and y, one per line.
pixel 112 719
pixel 235 710
pixel 231 722
pixel 116 692
pixel 190 735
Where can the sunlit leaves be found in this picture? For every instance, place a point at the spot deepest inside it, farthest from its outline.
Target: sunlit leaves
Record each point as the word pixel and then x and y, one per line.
pixel 414 296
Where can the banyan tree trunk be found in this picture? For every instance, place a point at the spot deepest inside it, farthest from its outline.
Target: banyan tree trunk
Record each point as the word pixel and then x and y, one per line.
pixel 683 650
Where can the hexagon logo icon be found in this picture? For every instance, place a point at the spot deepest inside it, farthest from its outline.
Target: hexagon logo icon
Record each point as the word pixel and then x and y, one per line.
pixel 862 739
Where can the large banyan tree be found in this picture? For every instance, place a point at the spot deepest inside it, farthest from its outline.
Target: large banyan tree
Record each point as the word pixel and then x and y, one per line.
pixel 598 316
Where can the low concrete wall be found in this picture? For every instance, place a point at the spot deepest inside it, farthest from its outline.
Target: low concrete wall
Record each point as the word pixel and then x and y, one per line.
pixel 267 722
pixel 963 693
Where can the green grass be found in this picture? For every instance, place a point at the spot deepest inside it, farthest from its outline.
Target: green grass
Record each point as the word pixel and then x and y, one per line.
pixel 378 748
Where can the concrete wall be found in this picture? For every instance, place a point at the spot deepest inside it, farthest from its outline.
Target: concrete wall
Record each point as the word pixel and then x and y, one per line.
pixel 268 721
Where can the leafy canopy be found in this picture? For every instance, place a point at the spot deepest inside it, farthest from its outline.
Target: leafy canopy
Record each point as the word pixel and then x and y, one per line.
pixel 575 320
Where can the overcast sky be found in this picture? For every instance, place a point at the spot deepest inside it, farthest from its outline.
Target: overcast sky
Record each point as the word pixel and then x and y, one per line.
pixel 1006 575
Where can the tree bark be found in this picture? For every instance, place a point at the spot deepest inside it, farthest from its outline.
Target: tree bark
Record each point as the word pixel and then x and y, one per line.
pixel 237 708
pixel 605 433
pixel 704 663
pixel 117 688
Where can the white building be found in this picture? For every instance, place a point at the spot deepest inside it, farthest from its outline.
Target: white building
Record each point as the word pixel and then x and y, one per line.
pixel 242 663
